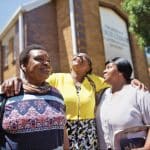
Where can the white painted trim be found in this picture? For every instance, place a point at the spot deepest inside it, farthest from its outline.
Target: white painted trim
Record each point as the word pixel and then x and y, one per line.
pixel 72 23
pixel 21 38
pixel 34 4
pixel 21 32
pixel 11 21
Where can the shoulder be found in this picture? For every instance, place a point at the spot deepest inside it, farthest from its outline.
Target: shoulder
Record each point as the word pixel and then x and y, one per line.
pixel 99 82
pixel 129 89
pixel 58 76
pixel 136 90
pixel 137 94
pixel 95 77
pixel 53 89
pixel 131 92
pixel 141 94
pixel 105 92
pixel 55 92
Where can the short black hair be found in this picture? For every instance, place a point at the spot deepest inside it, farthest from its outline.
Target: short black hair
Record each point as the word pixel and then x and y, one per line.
pixel 24 55
pixel 123 66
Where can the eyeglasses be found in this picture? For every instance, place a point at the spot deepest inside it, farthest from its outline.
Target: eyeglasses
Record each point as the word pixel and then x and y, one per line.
pixel 82 57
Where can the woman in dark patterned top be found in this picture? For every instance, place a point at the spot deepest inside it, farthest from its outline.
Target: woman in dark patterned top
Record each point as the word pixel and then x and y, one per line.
pixel 34 119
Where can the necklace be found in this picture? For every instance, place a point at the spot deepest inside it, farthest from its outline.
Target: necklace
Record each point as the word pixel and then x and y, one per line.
pixel 78 87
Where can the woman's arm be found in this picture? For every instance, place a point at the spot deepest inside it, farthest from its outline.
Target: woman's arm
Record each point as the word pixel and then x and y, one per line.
pixel 11 86
pixel 139 84
pixel 66 140
pixel 147 143
pixel 144 105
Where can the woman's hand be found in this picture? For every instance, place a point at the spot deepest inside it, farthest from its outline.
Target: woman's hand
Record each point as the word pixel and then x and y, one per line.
pixel 66 140
pixel 140 85
pixel 147 142
pixel 11 86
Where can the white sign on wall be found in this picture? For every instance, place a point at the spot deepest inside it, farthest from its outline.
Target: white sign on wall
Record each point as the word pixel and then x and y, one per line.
pixel 115 35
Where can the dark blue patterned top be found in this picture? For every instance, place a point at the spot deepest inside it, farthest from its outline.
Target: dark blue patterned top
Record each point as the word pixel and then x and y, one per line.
pixel 34 122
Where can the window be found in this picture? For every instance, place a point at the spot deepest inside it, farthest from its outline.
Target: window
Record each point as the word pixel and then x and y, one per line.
pixel 12 50
pixel 5 55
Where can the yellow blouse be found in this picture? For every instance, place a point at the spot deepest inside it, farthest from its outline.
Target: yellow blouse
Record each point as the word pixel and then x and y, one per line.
pixel 77 107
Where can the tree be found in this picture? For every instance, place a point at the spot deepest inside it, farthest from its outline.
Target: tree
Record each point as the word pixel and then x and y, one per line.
pixel 139 19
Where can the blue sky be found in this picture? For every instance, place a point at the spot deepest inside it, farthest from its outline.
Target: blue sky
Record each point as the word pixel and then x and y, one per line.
pixel 7 9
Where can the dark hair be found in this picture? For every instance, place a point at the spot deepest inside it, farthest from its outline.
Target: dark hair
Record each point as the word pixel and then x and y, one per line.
pixel 123 66
pixel 90 64
pixel 24 55
pixel 89 61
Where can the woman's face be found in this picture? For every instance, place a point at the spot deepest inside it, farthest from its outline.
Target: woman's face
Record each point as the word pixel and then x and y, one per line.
pixel 38 67
pixel 81 62
pixel 111 73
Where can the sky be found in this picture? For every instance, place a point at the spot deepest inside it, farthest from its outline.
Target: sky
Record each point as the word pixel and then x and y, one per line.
pixel 7 9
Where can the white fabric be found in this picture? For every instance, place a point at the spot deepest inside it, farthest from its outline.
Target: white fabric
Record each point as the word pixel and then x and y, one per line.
pixel 127 108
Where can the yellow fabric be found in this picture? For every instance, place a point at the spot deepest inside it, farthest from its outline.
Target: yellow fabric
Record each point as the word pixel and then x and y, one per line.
pixel 82 105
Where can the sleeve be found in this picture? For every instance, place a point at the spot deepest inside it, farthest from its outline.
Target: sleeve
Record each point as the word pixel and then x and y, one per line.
pixel 144 105
pixel 99 82
pixel 2 96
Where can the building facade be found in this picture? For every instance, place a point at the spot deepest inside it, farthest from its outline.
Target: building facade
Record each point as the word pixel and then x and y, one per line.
pixel 66 27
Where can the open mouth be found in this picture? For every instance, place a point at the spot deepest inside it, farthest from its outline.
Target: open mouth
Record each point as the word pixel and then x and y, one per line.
pixel 105 76
pixel 45 70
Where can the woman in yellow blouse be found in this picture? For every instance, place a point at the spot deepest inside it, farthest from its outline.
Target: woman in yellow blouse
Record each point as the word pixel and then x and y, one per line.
pixel 78 89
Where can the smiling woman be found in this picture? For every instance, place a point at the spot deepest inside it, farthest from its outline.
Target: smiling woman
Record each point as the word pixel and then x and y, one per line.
pixel 36 67
pixel 121 107
pixel 35 118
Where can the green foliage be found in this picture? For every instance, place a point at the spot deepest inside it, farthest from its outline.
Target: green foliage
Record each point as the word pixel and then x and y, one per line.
pixel 139 19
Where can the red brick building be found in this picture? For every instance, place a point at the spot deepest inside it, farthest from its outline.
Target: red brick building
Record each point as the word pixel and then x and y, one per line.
pixel 66 27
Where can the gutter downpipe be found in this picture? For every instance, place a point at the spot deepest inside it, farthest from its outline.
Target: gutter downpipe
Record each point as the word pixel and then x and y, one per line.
pixel 21 37
pixel 72 23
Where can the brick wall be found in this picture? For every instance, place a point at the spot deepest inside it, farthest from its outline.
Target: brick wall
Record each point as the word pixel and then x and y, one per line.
pixel 93 34
pixel 64 34
pixel 140 64
pixel 49 25
pixel 41 28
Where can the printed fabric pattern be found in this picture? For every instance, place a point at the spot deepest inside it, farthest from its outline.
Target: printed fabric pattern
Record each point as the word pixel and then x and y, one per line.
pixel 82 134
pixel 34 117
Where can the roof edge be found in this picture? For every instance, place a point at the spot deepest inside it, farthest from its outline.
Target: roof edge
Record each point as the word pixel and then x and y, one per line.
pixel 11 21
pixel 24 8
pixel 34 4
